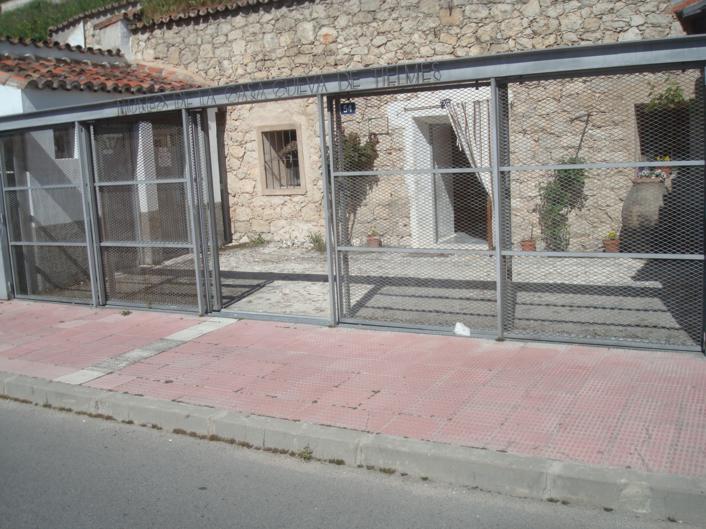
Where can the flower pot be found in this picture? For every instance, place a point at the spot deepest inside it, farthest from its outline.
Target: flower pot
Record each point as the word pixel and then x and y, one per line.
pixel 643 203
pixel 528 245
pixel 374 241
pixel 611 245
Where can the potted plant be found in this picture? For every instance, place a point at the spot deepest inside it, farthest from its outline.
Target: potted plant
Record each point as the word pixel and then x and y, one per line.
pixel 611 244
pixel 529 244
pixel 667 171
pixel 374 239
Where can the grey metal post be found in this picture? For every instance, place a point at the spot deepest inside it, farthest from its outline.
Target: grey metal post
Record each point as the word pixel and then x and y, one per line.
pixel 195 235
pixel 342 259
pixel 93 216
pixel 497 207
pixel 84 162
pixel 196 122
pixel 330 243
pixel 213 230
pixel 5 268
pixel 703 249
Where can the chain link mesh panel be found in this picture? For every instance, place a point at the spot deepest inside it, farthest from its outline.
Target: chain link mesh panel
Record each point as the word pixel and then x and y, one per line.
pixel 430 290
pixel 45 214
pixel 636 117
pixel 450 210
pixel 160 212
pixel 652 124
pixel 654 301
pixel 150 276
pixel 143 211
pixel 578 209
pixel 411 172
pixel 52 272
pixel 414 131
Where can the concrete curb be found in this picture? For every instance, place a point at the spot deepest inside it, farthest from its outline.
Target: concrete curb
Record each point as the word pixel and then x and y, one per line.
pixel 657 495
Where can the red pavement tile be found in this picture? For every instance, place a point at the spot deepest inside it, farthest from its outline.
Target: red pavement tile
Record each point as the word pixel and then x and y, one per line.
pixel 110 381
pixel 413 427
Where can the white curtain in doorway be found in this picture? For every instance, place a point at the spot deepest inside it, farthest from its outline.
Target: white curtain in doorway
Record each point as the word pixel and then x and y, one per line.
pixel 470 121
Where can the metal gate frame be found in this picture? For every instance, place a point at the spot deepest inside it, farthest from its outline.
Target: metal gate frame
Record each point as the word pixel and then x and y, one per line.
pixel 499 69
pixel 502 252
pixel 5 232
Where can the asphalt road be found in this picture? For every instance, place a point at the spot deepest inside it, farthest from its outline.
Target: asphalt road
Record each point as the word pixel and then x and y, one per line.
pixel 60 470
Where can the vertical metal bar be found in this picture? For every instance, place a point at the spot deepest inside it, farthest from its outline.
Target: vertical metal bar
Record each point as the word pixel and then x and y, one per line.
pixel 196 146
pixel 325 174
pixel 195 238
pixel 6 268
pixel 497 211
pixel 213 231
pixel 334 201
pixel 703 212
pixel 85 191
pixel 93 214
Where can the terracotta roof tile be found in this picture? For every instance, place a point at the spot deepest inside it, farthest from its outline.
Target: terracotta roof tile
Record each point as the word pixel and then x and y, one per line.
pixel 52 73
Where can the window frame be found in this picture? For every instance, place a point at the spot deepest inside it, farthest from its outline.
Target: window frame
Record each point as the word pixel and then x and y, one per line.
pixel 264 190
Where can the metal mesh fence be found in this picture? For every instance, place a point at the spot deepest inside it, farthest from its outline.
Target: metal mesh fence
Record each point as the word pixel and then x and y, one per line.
pixel 41 177
pixel 634 117
pixel 609 166
pixel 150 276
pixel 411 172
pixel 52 272
pixel 581 210
pixel 428 290
pixel 602 194
pixel 143 211
pixel 638 300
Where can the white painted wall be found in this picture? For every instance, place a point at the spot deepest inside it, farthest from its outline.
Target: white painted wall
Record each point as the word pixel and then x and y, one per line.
pixel 10 100
pixel 76 36
pixel 115 36
pixel 18 101
pixel 34 99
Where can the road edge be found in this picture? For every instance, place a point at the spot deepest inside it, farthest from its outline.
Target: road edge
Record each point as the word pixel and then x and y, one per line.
pixel 672 497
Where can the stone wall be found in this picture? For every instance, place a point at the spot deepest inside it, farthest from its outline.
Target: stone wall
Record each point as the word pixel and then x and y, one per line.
pixel 306 37
pixel 281 218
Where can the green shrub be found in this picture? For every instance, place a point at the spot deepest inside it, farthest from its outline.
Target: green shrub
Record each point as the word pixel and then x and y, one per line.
pixel 32 21
pixel 317 242
pixel 558 197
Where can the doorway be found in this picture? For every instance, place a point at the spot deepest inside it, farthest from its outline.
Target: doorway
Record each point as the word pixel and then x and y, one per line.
pixel 461 202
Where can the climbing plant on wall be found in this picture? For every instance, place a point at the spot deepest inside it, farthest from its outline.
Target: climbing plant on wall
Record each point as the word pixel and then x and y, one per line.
pixel 357 156
pixel 562 194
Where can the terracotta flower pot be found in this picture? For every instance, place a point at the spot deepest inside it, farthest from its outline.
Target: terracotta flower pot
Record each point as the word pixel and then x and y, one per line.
pixel 374 241
pixel 611 245
pixel 528 245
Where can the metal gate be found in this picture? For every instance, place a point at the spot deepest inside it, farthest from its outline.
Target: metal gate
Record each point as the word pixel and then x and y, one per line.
pixel 413 213
pixel 591 187
pixel 146 219
pixel 44 198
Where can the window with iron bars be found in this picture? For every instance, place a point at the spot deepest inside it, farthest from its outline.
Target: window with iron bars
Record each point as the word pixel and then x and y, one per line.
pixel 280 160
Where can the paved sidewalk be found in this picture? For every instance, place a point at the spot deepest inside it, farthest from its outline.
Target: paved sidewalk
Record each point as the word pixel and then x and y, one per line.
pixel 643 410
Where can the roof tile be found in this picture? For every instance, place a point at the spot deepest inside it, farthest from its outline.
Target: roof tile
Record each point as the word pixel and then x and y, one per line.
pixel 45 72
